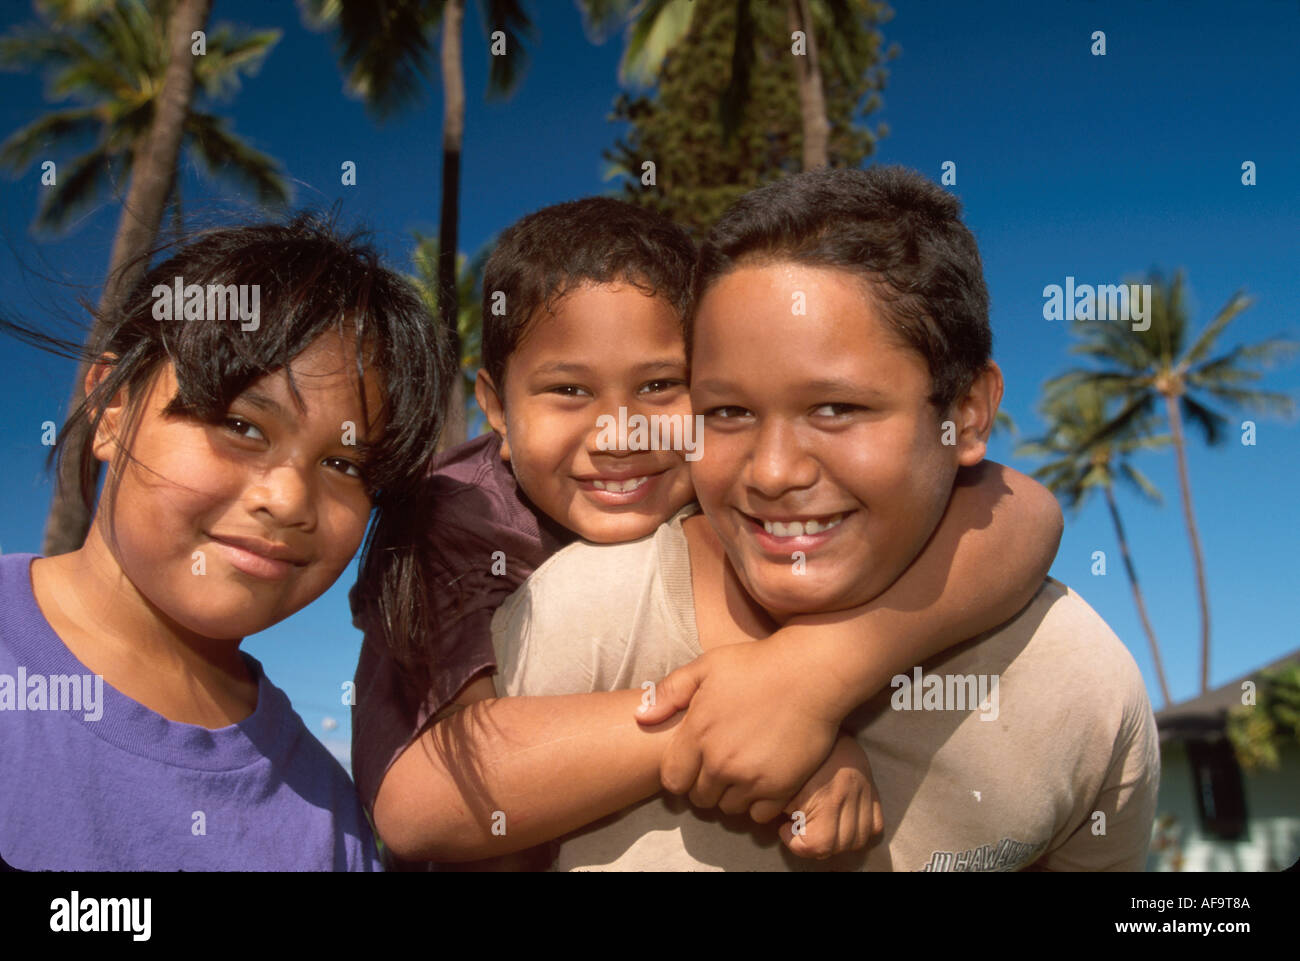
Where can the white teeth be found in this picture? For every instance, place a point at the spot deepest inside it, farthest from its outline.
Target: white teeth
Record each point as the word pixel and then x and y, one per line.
pixel 799 528
pixel 619 487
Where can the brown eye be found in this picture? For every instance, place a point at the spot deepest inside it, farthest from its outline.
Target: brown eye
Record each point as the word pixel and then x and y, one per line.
pixel 243 428
pixel 658 386
pixel 346 467
pixel 837 410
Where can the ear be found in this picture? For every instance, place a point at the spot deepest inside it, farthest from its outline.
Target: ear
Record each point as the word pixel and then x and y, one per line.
pixel 106 440
pixel 494 409
pixel 974 413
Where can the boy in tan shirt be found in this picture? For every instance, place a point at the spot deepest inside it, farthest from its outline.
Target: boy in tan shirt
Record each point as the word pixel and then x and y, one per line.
pixel 841 361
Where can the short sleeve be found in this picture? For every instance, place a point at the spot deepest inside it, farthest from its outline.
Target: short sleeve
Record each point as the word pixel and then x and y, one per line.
pixel 385 716
pixel 1120 838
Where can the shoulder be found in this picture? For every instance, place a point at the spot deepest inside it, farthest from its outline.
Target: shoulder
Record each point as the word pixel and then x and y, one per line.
pixel 577 592
pixel 601 562
pixel 319 783
pixel 1066 627
pixel 472 471
pixel 592 613
pixel 302 750
pixel 25 634
pixel 469 506
pixel 615 575
pixel 1060 649
pixel 467 463
pixel 15 578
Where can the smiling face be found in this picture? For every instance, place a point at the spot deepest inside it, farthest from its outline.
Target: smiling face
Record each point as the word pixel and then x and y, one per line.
pixel 820 442
pixel 603 347
pixel 270 505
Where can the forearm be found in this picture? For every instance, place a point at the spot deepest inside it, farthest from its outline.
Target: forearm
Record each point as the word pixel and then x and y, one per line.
pixel 533 767
pixel 984 563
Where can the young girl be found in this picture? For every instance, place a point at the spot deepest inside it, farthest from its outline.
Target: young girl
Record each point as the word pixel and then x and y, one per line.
pixel 255 397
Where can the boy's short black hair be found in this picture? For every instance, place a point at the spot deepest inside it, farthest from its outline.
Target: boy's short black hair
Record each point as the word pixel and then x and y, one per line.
pixel 891 226
pixel 544 255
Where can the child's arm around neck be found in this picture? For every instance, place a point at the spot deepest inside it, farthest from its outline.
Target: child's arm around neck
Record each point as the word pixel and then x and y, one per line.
pixel 983 564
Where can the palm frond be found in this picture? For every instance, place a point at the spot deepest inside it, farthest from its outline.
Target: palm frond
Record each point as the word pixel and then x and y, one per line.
pixel 230 55
pixel 600 18
pixel 50 132
pixel 71 10
pixel 1136 410
pixel 731 108
pixel 1004 421
pixel 1204 343
pixel 1229 367
pixel 1169 317
pixel 30 47
pixel 385 48
pixel 1210 422
pixel 225 156
pixel 510 18
pixel 1143 440
pixel 657 27
pixel 1140 482
pixel 134 38
pixel 320 15
pixel 1263 401
pixel 81 181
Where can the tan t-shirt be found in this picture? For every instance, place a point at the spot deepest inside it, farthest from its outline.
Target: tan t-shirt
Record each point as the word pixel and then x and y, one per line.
pixel 1054 763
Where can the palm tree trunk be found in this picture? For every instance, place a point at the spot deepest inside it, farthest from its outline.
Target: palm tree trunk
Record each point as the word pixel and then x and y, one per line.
pixel 1137 595
pixel 153 165
pixel 453 130
pixel 178 220
pixel 812 99
pixel 1185 487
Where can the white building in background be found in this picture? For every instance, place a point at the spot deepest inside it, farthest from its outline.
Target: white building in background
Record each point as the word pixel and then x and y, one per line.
pixel 1211 814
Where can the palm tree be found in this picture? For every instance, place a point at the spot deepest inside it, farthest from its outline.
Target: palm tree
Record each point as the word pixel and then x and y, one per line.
pixel 656 26
pixel 1084 461
pixel 469 294
pixel 128 67
pixel 1165 366
pixel 812 100
pixel 1258 732
pixel 385 52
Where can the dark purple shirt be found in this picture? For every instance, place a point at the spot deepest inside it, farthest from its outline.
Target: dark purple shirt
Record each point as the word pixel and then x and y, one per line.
pixel 475 511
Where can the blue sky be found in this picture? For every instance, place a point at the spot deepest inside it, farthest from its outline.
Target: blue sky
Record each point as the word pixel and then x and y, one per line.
pixel 1068 164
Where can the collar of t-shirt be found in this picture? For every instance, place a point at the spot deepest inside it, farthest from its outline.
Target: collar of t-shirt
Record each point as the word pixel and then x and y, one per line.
pixel 27 641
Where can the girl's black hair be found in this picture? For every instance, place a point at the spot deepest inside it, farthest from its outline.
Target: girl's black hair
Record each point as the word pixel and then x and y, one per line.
pixel 311 280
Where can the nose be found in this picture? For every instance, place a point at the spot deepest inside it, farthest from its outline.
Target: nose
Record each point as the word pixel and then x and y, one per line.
pixel 286 494
pixel 620 430
pixel 778 462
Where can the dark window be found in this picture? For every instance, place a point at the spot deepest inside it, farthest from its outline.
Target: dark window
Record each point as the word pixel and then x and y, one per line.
pixel 1220 799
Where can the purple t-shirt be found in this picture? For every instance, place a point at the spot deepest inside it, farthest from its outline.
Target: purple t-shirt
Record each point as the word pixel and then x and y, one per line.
pixel 484 539
pixel 91 780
